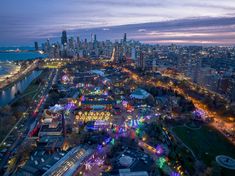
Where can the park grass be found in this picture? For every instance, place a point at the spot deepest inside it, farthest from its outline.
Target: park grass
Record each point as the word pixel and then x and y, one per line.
pixel 205 142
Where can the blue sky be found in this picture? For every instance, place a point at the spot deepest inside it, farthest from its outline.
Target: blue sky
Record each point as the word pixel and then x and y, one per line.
pixel 177 21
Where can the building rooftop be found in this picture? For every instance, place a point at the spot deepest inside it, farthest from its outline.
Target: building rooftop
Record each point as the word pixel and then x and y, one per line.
pixel 139 94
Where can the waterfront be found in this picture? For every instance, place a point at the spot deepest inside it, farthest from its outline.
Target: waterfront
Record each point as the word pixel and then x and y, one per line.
pixel 9 93
pixel 15 56
pixel 7 69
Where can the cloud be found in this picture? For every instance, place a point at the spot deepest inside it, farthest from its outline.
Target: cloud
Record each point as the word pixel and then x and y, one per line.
pixel 142 30
pixel 23 20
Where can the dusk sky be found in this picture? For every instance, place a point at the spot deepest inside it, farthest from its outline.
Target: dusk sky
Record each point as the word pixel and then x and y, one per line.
pixel 169 21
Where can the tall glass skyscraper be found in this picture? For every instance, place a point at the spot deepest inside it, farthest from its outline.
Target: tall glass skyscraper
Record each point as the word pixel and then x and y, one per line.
pixel 64 38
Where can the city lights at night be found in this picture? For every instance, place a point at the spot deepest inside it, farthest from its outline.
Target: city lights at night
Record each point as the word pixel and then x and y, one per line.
pixel 117 88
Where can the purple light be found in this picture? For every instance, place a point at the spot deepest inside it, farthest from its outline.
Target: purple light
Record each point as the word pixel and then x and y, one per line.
pixel 105 93
pixel 159 150
pixel 99 148
pixel 83 98
pixel 108 140
pixel 199 113
pixel 174 174
pixel 148 116
pixel 134 123
pixel 124 103
pixel 70 106
pixel 65 78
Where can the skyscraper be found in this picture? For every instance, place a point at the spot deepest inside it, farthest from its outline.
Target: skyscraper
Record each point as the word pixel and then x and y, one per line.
pixel 78 42
pixel 124 38
pixel 64 38
pixel 95 38
pixel 133 53
pixel 36 46
pixel 141 61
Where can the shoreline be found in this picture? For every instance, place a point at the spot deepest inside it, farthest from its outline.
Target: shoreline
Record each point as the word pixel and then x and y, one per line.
pixel 31 68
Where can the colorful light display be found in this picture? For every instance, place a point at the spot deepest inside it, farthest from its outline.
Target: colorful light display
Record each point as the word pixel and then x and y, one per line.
pixel 133 123
pixel 161 162
pixel 93 116
pixel 199 114
pixel 137 131
pixel 159 150
pixel 65 78
pixel 175 174
pixel 113 141
pixel 70 106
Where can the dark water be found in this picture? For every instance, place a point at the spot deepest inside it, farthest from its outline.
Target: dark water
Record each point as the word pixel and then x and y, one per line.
pixel 9 93
pixel 15 48
pixel 14 56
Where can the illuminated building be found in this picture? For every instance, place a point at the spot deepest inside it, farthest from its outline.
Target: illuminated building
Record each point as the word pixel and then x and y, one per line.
pixel 141 61
pixel 133 54
pixel 68 164
pixel 139 94
pixel 93 116
pixel 52 129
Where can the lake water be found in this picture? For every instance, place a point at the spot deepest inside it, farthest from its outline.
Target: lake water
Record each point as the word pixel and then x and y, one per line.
pixel 14 56
pixel 8 94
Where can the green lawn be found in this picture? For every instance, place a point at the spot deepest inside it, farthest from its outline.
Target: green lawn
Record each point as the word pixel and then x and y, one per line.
pixel 206 142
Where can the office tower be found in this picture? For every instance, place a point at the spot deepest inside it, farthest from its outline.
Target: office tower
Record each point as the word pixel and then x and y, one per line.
pixel 91 37
pixel 71 43
pixel 47 46
pixel 78 42
pixel 64 38
pixel 124 38
pixel 133 53
pixel 141 61
pixel 36 46
pixel 95 38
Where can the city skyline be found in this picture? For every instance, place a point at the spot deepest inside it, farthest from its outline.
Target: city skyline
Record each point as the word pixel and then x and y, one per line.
pixel 117 87
pixel 185 22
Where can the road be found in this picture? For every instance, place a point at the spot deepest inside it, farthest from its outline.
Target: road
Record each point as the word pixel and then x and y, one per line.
pixel 218 123
pixel 19 75
pixel 22 127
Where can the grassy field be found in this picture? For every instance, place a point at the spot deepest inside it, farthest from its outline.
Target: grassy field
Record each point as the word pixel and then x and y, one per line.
pixel 205 142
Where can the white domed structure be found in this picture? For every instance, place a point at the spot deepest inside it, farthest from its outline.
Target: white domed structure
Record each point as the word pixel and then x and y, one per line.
pixel 126 161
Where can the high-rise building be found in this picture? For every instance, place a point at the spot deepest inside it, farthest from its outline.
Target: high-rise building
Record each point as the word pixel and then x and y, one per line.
pixel 71 43
pixel 47 46
pixel 64 38
pixel 133 53
pixel 124 38
pixel 78 42
pixel 95 38
pixel 36 46
pixel 141 61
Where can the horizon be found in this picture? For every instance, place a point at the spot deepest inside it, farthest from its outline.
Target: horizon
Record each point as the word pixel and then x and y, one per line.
pixel 184 23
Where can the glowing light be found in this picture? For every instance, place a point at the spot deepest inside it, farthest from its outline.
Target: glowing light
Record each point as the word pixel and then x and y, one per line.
pixel 113 141
pixel 137 131
pixel 161 162
pixel 93 116
pixel 159 150
pixel 134 123
pixel 175 174
pixel 65 78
